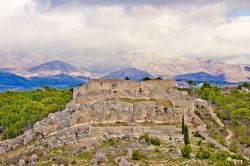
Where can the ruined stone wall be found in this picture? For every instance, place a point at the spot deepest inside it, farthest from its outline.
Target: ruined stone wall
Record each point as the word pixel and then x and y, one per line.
pixel 157 84
pixel 124 85
pixel 106 84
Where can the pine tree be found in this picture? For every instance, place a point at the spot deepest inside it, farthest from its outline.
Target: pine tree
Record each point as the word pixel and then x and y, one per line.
pixel 186 136
pixel 127 78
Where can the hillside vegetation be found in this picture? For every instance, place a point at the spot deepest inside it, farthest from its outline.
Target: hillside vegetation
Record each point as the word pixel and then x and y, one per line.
pixel 232 105
pixel 20 110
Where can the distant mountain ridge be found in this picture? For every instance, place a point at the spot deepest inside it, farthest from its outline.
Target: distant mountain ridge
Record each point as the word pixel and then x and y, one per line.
pixel 55 67
pixel 200 77
pixel 10 80
pixel 131 73
pixel 14 82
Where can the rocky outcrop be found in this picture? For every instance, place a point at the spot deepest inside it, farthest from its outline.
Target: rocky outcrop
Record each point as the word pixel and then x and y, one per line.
pixel 158 103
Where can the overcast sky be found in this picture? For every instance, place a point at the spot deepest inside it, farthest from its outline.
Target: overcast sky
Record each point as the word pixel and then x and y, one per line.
pixel 196 28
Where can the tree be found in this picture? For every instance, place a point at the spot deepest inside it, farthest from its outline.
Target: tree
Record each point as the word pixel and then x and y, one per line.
pixel 186 151
pixel 127 78
pixel 136 155
pixel 191 82
pixel 158 78
pixel 205 85
pixel 146 79
pixel 186 135
pixel 182 124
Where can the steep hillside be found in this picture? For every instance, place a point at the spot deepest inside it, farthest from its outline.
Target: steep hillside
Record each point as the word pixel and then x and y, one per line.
pixel 117 122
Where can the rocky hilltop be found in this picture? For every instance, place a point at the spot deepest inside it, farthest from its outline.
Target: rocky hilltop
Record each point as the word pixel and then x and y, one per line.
pixel 105 109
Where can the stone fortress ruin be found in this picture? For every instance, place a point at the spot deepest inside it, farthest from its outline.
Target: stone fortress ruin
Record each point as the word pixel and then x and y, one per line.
pixel 156 101
pixel 112 108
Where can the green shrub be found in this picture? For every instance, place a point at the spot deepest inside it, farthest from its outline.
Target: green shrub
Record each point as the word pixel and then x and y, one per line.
pixel 220 155
pixel 203 154
pixel 150 140
pixel 222 115
pixel 109 143
pixel 199 143
pixel 210 145
pixel 145 137
pixel 186 151
pixel 136 155
pixel 155 141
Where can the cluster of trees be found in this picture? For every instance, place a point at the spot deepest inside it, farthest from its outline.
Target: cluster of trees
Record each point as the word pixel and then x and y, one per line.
pixel 233 106
pixel 20 110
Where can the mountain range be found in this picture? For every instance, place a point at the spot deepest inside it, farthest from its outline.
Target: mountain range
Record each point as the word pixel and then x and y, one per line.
pixel 10 81
pixel 135 66
pixel 56 73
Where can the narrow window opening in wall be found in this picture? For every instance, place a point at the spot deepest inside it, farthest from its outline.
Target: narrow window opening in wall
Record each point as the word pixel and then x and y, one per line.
pixel 101 83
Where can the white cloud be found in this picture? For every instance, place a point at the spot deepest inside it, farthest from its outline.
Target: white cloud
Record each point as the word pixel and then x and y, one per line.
pixel 203 30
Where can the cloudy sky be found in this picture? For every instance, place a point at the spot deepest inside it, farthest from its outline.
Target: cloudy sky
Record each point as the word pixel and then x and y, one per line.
pixel 83 28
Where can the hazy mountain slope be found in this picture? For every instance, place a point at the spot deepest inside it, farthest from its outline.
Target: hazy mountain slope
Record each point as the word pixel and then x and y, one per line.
pixel 9 81
pixel 12 80
pixel 131 73
pixel 54 67
pixel 200 77
pixel 59 81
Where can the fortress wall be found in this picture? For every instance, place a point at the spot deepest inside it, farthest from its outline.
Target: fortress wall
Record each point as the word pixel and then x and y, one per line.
pixel 158 84
pixel 107 84
pixel 123 85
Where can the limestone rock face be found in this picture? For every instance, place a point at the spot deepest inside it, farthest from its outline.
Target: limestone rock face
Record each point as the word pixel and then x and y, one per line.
pixel 158 102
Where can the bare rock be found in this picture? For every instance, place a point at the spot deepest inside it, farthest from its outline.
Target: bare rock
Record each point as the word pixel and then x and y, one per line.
pixel 21 162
